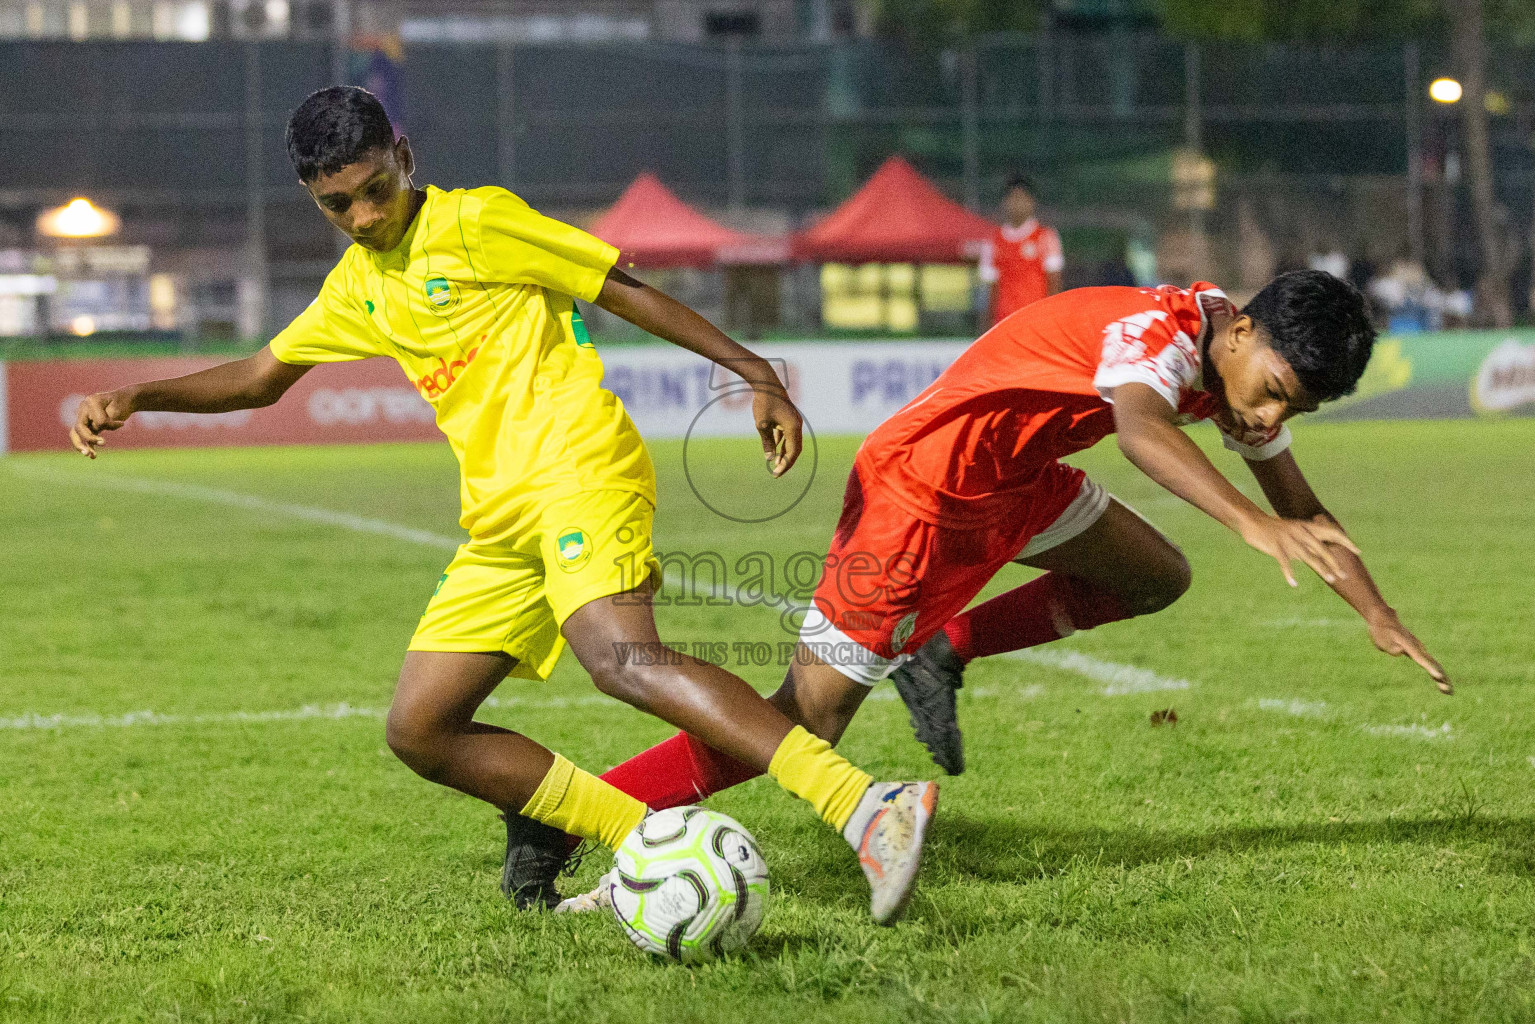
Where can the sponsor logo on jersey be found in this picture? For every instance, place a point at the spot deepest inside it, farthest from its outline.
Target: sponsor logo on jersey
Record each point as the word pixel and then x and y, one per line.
pixel 440 293
pixel 902 632
pixel 573 548
pixel 434 384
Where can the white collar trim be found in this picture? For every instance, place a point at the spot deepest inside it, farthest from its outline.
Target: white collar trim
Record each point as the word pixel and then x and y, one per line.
pixel 1204 321
pixel 1022 231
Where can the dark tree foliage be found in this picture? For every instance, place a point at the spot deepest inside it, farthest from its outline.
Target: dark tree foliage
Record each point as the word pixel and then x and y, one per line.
pixel 1339 21
pixel 1312 20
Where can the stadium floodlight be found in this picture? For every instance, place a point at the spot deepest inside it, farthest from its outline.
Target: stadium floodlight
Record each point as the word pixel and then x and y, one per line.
pixel 1444 90
pixel 78 218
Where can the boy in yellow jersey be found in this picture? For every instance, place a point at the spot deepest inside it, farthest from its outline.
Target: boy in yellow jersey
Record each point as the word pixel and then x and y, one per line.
pixel 470 291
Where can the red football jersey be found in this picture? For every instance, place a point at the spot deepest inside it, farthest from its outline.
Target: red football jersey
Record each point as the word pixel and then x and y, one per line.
pixel 1036 388
pixel 1018 260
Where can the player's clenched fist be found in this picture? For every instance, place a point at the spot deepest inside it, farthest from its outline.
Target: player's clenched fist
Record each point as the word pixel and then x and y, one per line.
pixel 1286 540
pixel 105 410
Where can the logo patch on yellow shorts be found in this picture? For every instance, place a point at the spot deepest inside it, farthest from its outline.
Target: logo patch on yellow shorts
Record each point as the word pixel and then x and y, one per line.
pixel 573 548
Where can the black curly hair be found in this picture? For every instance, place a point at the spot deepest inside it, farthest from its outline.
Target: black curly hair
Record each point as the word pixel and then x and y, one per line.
pixel 1017 179
pixel 334 127
pixel 1321 326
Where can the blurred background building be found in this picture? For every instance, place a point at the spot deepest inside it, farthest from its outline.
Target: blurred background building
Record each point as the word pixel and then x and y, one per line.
pixel 526 21
pixel 1167 144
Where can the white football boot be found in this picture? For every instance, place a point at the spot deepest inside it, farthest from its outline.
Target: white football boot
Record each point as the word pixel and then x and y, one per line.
pixel 886 831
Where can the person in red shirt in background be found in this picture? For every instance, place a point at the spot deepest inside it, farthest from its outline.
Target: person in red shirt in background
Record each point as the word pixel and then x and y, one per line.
pixel 1022 261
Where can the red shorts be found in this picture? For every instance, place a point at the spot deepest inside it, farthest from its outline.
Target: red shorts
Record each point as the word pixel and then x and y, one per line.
pixel 892 580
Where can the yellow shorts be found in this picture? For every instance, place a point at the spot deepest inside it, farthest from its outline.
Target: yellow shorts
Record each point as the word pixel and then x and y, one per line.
pixel 514 591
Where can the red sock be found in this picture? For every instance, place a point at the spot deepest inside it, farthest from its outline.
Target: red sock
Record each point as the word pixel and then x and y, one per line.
pixel 681 770
pixel 674 772
pixel 1038 612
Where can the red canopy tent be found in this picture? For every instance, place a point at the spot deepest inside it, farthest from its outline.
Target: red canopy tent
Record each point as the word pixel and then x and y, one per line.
pixel 655 229
pixel 898 216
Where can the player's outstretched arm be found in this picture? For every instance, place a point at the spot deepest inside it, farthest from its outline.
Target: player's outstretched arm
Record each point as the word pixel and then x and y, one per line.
pixel 249 383
pixel 778 421
pixel 1291 495
pixel 1150 438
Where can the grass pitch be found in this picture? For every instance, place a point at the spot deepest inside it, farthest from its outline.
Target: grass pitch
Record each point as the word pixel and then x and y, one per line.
pixel 199 819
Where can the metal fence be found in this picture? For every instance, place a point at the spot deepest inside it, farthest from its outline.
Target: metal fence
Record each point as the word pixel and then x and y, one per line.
pixel 569 125
pixel 186 138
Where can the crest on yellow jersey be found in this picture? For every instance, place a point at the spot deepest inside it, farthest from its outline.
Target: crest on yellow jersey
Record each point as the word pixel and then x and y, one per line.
pixel 441 294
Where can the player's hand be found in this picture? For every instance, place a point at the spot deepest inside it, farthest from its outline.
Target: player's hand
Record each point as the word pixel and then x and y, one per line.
pixel 103 411
pixel 779 425
pixel 1396 639
pixel 1309 540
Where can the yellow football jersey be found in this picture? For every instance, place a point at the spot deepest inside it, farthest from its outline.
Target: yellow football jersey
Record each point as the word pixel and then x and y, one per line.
pixel 475 305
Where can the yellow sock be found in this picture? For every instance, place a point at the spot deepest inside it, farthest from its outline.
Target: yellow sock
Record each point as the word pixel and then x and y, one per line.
pixel 806 766
pixel 580 803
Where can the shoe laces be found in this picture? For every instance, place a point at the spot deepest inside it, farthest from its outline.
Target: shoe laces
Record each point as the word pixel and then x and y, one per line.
pixel 574 859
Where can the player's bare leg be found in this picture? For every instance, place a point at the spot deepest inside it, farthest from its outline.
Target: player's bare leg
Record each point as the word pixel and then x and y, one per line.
pixel 819 696
pixel 1124 555
pixel 616 641
pixel 1118 568
pixel 431 723
pixel 431 728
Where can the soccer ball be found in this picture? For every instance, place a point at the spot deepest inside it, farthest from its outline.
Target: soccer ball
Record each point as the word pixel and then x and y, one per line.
pixel 690 884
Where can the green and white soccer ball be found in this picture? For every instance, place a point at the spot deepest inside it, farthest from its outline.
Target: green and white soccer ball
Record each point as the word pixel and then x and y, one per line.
pixel 690 884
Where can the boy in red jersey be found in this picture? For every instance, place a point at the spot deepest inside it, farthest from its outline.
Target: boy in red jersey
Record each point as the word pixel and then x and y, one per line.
pixel 967 478
pixel 1022 261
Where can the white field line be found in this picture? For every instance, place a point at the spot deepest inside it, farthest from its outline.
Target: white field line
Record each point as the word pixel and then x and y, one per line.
pixel 1416 732
pixel 1298 708
pixel 1015 693
pixel 1120 679
pixel 343 710
pixel 333 712
pixel 1318 709
pixel 90 720
pixel 887 693
pixel 250 502
pixel 1304 623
